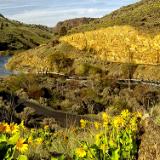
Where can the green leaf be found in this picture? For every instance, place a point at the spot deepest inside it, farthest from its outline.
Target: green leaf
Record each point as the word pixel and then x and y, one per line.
pixel 3 138
pixel 58 158
pixel 22 157
pixel 10 152
pixel 54 158
pixel 14 138
pixel 3 149
pixel 115 155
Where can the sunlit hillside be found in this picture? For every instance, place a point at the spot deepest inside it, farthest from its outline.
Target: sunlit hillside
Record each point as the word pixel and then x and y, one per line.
pixel 143 15
pixel 119 44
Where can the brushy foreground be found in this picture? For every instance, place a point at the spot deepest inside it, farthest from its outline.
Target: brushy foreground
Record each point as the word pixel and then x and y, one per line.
pixel 110 138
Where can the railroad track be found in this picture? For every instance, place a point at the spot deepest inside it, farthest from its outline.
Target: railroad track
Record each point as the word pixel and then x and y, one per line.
pixel 120 81
pixel 74 77
pixel 139 81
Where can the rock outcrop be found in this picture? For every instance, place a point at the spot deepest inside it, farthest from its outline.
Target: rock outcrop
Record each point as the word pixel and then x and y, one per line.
pixel 150 142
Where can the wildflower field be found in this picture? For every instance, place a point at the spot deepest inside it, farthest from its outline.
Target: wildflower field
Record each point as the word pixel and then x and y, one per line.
pixel 111 138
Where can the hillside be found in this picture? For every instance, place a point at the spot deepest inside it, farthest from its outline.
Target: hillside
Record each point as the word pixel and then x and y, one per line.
pixel 16 36
pixel 62 28
pixel 109 47
pixel 121 44
pixel 143 15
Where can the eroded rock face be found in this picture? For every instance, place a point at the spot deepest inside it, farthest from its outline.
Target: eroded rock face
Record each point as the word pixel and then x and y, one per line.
pixel 150 142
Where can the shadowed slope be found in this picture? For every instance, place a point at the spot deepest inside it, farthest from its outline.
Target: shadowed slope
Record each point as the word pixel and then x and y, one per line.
pixel 16 36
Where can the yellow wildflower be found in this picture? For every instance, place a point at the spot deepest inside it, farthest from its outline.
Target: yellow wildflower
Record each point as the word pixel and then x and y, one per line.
pixel 33 130
pixel 104 116
pixel 80 152
pixel 138 114
pixel 3 127
pixel 133 124
pixel 39 140
pixel 30 140
pixel 98 138
pixel 12 128
pixel 83 123
pixel 125 113
pixel 21 146
pixel 22 125
pixel 103 147
pixel 46 127
pixel 105 124
pixel 96 125
pixel 118 122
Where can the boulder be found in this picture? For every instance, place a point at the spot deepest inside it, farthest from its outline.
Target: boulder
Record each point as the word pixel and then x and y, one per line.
pixel 150 141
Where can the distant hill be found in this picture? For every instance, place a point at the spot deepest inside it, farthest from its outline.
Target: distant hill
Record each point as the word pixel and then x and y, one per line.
pixel 16 36
pixel 143 15
pixel 63 27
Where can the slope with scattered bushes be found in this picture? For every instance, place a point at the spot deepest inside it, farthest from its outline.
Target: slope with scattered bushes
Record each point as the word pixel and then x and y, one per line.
pixel 143 15
pixel 16 36
pixel 121 44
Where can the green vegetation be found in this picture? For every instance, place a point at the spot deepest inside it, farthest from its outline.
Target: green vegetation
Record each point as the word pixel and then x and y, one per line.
pixel 81 71
pixel 143 16
pixel 112 139
pixel 16 36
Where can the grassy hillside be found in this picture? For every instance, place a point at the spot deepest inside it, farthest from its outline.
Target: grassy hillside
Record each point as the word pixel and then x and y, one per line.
pixel 143 15
pixel 57 58
pixel 121 44
pixel 16 36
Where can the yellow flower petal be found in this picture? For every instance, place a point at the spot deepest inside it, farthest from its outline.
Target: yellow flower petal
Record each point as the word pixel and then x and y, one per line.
pixel 20 146
pixel 80 152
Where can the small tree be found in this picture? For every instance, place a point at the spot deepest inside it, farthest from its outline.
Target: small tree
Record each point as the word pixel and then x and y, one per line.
pixel 2 26
pixel 63 31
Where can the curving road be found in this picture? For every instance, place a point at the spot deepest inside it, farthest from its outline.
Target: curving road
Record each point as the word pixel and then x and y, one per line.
pixel 64 119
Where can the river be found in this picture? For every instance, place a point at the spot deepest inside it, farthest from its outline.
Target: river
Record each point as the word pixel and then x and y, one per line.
pixel 3 61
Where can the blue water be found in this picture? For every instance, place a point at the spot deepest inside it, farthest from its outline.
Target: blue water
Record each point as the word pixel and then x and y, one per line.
pixel 3 61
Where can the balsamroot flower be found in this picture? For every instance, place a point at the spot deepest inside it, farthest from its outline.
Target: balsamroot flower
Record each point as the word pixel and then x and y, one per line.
pixel 80 152
pixel 125 114
pixel 83 123
pixel 105 117
pixel 96 125
pixel 39 140
pixel 3 127
pixel 21 146
pixel 12 128
pixel 118 121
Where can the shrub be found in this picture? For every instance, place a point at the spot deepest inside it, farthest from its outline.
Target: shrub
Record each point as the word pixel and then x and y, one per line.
pixel 81 69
